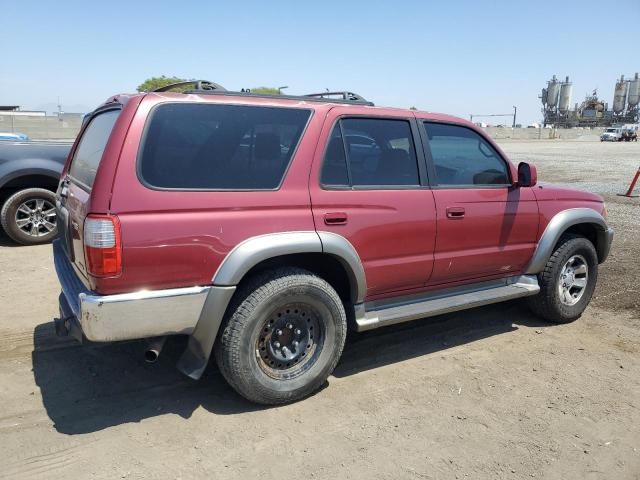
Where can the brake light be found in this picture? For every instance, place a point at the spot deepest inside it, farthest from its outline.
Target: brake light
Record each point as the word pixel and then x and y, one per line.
pixel 102 249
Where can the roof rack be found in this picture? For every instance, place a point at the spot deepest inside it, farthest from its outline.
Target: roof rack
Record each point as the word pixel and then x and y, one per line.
pixel 199 85
pixel 211 88
pixel 350 96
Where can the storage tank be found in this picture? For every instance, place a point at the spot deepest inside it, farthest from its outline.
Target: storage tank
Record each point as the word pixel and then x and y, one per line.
pixel 565 96
pixel 633 96
pixel 620 95
pixel 553 91
pixel 543 96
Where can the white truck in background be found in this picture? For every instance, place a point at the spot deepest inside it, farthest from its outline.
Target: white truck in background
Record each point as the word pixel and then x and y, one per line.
pixel 611 134
pixel 626 133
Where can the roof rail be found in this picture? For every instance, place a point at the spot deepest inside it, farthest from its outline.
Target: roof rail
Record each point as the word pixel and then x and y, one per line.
pixel 199 85
pixel 204 87
pixel 349 96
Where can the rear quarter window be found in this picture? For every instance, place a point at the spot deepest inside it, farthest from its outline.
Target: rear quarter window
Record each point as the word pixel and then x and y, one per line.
pixel 86 159
pixel 191 146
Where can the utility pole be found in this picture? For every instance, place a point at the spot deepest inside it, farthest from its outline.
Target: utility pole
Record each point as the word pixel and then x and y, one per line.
pixel 59 110
pixel 280 89
pixel 515 111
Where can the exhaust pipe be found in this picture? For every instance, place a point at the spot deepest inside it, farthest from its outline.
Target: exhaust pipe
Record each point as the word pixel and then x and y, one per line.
pixel 153 349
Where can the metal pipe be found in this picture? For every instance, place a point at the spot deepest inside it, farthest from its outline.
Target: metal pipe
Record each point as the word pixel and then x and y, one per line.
pixel 153 349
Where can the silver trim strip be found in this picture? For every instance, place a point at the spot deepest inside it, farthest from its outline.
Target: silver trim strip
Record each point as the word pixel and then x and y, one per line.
pixel 554 230
pixel 404 309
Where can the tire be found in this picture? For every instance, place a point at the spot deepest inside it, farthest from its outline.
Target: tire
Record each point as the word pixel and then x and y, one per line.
pixel 553 305
pixel 256 350
pixel 15 211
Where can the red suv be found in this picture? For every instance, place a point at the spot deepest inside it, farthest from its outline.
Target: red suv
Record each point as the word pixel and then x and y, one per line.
pixel 263 227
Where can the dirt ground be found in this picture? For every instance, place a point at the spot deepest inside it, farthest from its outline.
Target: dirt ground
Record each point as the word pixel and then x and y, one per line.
pixel 487 393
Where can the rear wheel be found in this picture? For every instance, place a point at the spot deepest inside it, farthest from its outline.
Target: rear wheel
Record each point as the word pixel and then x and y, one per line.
pixel 567 282
pixel 283 336
pixel 29 216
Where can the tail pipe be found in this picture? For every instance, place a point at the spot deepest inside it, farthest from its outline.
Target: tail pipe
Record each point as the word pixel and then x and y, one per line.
pixel 153 349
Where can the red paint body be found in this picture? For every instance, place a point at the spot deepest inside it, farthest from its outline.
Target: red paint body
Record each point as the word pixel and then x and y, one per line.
pixel 405 238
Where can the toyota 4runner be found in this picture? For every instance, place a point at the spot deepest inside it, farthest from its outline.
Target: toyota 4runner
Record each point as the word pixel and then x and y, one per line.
pixel 264 226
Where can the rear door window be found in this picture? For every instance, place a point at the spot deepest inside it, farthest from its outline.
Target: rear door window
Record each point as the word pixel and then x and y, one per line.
pixel 91 147
pixel 193 146
pixel 368 152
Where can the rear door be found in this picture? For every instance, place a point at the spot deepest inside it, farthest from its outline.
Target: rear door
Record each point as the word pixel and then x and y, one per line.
pixel 368 185
pixel 486 226
pixel 75 189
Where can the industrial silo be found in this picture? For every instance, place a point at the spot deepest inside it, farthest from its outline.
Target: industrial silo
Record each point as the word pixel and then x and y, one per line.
pixel 633 96
pixel 543 96
pixel 565 96
pixel 553 92
pixel 620 95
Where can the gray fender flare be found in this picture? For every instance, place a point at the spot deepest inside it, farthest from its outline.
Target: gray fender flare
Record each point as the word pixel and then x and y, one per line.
pixel 240 261
pixel 558 225
pixel 254 250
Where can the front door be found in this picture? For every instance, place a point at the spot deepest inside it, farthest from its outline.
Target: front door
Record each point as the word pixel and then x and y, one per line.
pixel 486 226
pixel 368 186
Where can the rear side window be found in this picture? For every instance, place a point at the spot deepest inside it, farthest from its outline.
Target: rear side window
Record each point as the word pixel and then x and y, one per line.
pixel 91 147
pixel 461 157
pixel 370 152
pixel 209 147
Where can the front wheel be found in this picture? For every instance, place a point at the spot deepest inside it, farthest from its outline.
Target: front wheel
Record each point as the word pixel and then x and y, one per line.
pixel 29 216
pixel 567 281
pixel 282 337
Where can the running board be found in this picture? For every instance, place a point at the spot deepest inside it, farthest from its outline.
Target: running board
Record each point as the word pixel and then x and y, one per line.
pixel 377 314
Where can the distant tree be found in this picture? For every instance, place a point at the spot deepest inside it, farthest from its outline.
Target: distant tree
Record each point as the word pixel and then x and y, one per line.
pixel 413 108
pixel 265 90
pixel 157 82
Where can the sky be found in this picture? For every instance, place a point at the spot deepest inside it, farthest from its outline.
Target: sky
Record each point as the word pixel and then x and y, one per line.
pixel 456 57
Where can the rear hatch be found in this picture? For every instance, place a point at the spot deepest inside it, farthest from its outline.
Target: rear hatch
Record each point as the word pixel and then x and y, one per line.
pixel 75 192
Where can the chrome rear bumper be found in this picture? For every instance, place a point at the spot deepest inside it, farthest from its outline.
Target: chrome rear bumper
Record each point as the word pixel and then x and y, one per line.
pixel 127 316
pixel 141 314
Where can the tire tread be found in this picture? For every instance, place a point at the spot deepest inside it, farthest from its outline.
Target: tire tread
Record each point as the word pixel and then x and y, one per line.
pixel 544 304
pixel 5 217
pixel 256 290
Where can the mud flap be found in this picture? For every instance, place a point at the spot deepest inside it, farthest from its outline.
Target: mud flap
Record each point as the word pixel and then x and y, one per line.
pixel 195 358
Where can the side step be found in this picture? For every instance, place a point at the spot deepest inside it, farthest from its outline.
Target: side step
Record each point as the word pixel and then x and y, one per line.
pixel 403 309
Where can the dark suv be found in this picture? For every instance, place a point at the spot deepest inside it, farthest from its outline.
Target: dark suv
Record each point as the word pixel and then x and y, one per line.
pixel 263 226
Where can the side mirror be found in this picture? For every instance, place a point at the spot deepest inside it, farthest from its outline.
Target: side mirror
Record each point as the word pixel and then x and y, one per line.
pixel 527 175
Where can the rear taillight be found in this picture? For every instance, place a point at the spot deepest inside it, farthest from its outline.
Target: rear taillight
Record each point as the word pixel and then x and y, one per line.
pixel 102 249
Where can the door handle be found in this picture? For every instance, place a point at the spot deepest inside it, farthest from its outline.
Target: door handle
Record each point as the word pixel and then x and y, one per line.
pixel 337 218
pixel 455 212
